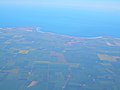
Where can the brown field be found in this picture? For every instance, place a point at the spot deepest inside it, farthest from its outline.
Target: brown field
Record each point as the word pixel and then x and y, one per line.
pixel 108 58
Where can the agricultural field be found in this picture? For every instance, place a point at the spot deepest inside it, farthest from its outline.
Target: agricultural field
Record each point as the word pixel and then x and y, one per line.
pixel 36 60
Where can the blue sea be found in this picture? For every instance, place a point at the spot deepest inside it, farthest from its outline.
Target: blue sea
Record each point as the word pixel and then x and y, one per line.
pixel 75 22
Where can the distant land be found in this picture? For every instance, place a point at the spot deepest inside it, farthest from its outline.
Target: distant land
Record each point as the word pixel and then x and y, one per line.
pixel 41 29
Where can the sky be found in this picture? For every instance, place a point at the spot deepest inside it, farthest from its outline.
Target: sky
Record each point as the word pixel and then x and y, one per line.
pixel 76 4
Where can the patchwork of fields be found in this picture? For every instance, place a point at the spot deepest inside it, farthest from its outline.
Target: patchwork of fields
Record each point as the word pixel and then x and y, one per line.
pixel 34 60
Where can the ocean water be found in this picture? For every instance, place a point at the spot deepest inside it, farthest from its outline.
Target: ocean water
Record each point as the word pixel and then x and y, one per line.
pixel 81 23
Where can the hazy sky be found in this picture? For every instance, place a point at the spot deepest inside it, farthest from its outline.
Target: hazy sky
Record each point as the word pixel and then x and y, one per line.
pixel 77 4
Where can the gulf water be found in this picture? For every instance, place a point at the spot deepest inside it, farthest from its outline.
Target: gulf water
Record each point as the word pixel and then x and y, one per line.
pixel 75 22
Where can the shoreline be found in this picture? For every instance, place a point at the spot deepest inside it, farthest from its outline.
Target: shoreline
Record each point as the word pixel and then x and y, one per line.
pixel 39 29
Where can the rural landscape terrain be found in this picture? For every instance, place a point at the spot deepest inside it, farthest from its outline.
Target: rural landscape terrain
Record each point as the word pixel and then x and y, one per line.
pixel 31 59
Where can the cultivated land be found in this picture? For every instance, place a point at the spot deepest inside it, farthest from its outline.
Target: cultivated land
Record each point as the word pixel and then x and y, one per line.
pixel 34 60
